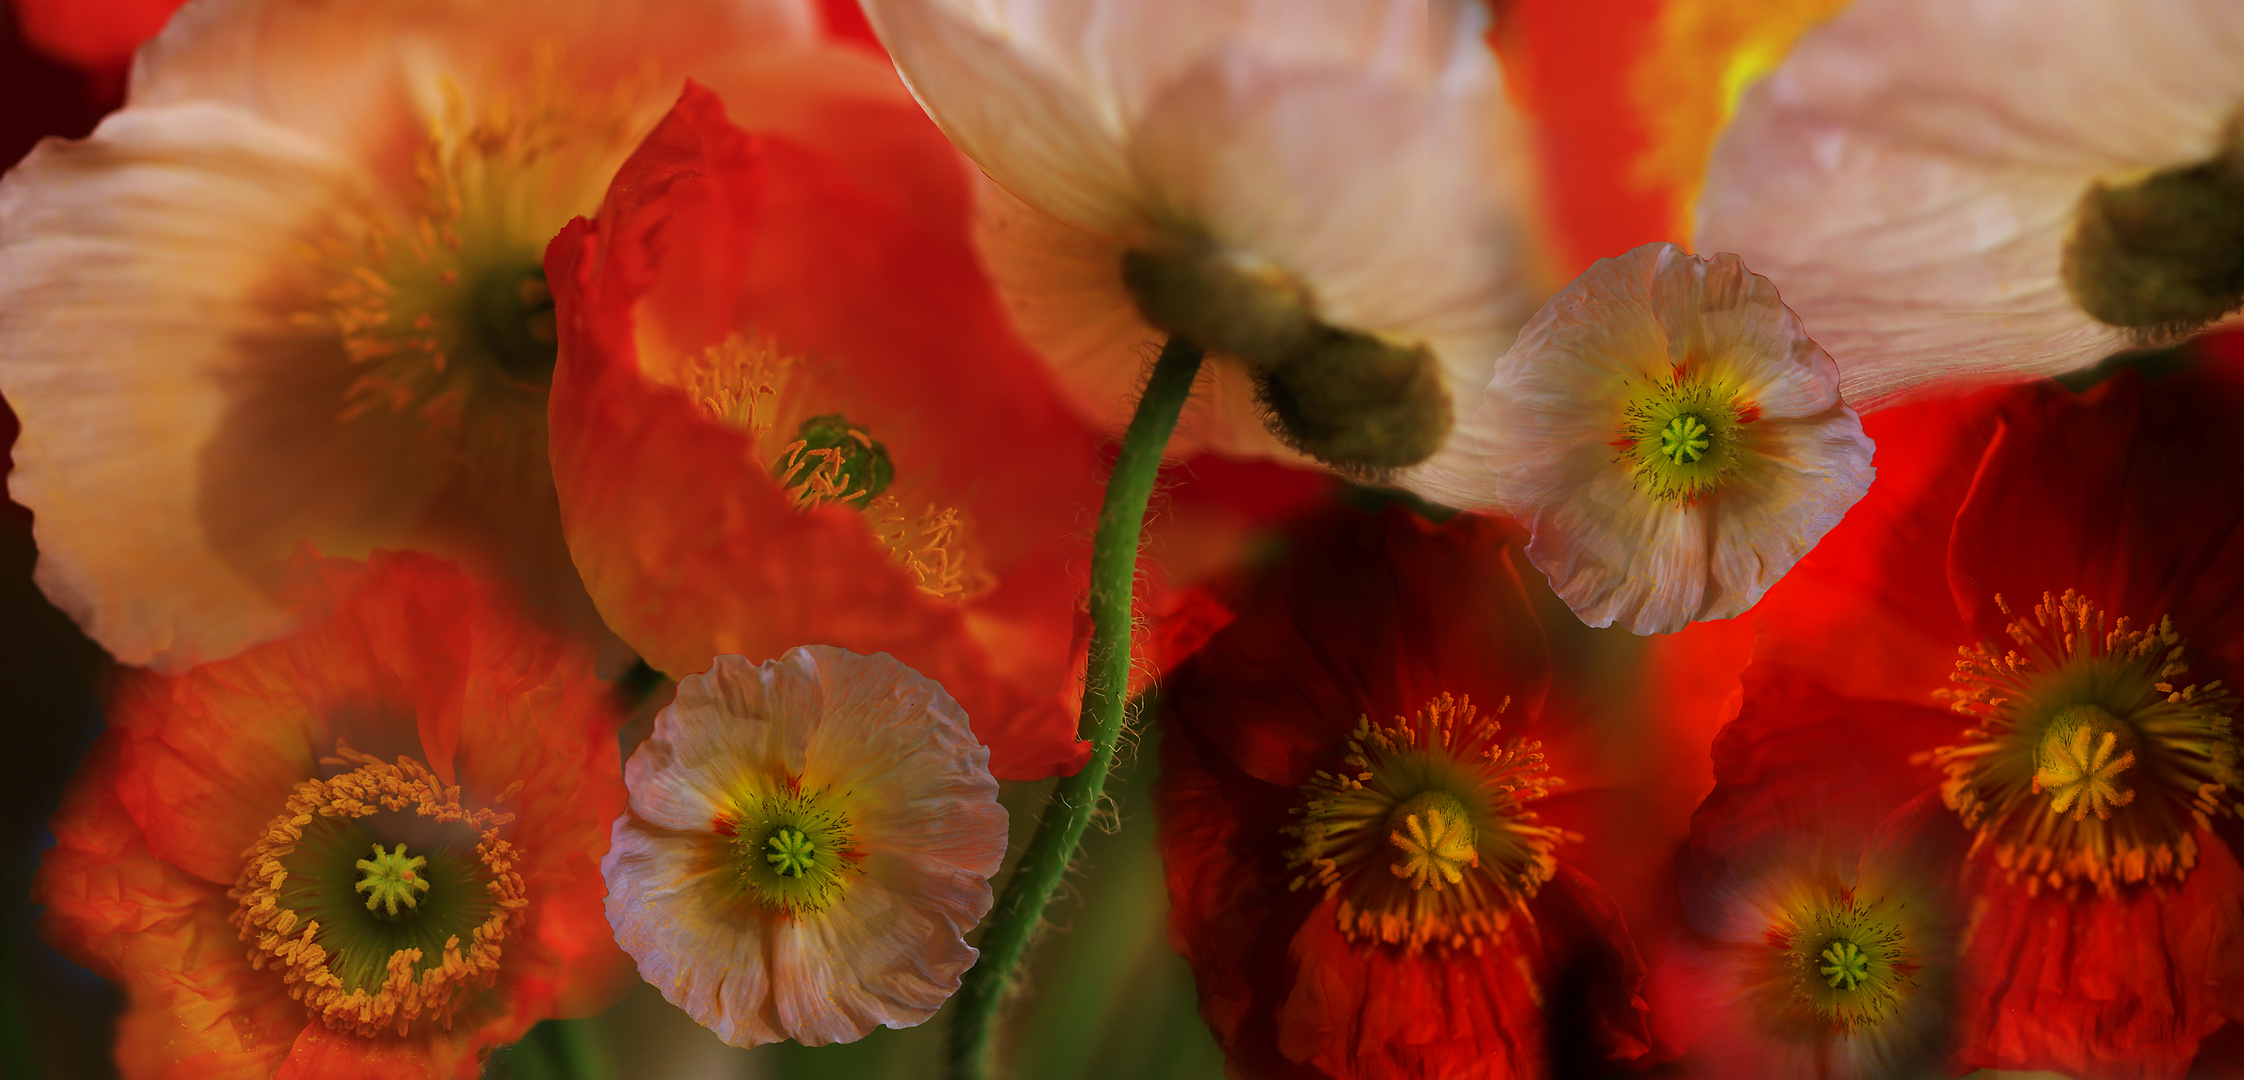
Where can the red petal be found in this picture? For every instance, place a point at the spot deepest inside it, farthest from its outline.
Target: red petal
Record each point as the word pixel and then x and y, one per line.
pixel 686 542
pixel 1367 616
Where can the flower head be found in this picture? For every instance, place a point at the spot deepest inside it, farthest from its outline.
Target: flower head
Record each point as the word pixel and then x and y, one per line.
pixel 375 840
pixel 2034 619
pixel 788 409
pixel 292 292
pixel 1352 788
pixel 807 844
pixel 1671 438
pixel 1938 204
pixel 1309 190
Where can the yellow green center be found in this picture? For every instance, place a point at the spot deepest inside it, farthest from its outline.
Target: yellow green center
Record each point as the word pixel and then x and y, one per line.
pixel 389 879
pixel 2088 759
pixel 1423 833
pixel 834 461
pixel 793 850
pixel 1682 438
pixel 1850 958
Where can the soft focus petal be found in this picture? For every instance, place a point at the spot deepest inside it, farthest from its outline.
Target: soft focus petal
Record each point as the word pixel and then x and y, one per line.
pixel 1910 173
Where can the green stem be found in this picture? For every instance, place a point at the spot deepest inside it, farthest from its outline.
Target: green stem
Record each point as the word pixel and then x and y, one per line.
pixel 1106 687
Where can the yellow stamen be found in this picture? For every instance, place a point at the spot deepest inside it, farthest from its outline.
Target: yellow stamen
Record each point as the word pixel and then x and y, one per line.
pixel 415 988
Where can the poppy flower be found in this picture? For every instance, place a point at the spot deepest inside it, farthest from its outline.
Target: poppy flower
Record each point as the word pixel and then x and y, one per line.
pixel 808 842
pixel 1318 193
pixel 788 409
pixel 1672 439
pixel 1994 188
pixel 368 848
pixel 1351 777
pixel 2043 590
pixel 291 292
pixel 1820 926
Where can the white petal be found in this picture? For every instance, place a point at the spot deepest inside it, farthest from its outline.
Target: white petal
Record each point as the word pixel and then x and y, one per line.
pixel 736 722
pixel 1908 176
pixel 138 271
pixel 676 909
pixel 920 784
pixel 1807 474
pixel 889 953
pixel 1559 401
pixel 1015 115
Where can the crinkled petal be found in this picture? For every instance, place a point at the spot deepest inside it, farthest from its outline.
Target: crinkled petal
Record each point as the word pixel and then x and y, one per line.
pixel 1557 430
pixel 678 910
pixel 736 719
pixel 711 233
pixel 1909 175
pixel 153 238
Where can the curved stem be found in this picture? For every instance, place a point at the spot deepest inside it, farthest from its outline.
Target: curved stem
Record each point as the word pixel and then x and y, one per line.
pixel 1106 687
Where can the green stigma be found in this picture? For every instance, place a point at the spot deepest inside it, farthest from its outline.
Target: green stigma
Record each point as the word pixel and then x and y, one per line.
pixel 389 879
pixel 834 461
pixel 1684 439
pixel 792 853
pixel 1846 967
pixel 1851 959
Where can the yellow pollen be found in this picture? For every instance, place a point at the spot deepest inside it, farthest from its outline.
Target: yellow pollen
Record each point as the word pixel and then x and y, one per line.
pixel 411 281
pixel 2081 759
pixel 748 384
pixel 1437 843
pixel 1423 834
pixel 414 986
pixel 2088 761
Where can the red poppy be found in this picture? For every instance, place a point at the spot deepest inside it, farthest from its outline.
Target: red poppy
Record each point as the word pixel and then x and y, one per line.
pixel 2086 554
pixel 368 849
pixel 98 35
pixel 788 409
pixel 1348 814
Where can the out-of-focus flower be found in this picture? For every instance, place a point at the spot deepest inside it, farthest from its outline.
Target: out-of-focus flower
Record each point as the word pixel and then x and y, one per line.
pixel 1313 190
pixel 788 409
pixel 2087 565
pixel 292 292
pixel 808 842
pixel 369 848
pixel 1671 438
pixel 98 35
pixel 1349 794
pixel 1992 188
pixel 1820 926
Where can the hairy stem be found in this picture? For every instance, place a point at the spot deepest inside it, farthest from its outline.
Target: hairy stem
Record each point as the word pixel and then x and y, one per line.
pixel 1106 687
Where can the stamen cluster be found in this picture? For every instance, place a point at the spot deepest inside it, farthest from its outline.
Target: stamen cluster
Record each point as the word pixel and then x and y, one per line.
pixel 1424 833
pixel 793 850
pixel 1849 958
pixel 2087 760
pixel 301 908
pixel 1683 436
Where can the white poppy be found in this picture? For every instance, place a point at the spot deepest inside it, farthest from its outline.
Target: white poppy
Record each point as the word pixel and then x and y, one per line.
pixel 807 844
pixel 1982 189
pixel 1315 190
pixel 1671 439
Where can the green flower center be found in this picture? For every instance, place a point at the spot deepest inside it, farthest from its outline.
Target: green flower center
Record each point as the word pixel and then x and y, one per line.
pixel 1846 966
pixel 1684 440
pixel 390 879
pixel 2088 758
pixel 793 851
pixel 1681 438
pixel 1850 959
pixel 834 461
pixel 1423 831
